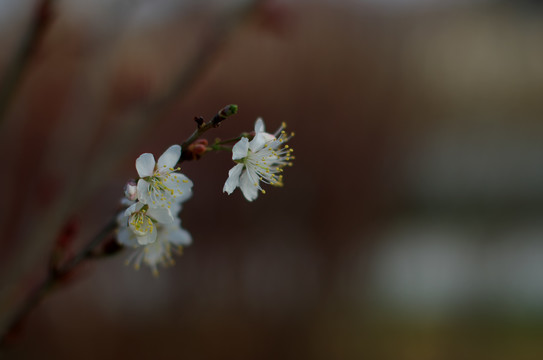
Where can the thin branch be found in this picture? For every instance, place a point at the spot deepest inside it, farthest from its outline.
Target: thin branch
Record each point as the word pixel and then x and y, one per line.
pixel 237 138
pixel 222 115
pixel 15 70
pixel 219 148
pixel 54 276
pixel 181 85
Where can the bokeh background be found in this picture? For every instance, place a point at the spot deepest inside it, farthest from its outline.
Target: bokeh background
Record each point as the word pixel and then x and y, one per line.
pixel 410 226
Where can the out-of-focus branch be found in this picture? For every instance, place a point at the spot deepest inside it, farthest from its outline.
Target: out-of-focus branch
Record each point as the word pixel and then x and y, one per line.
pixel 140 120
pixel 55 275
pixel 15 70
pixel 222 115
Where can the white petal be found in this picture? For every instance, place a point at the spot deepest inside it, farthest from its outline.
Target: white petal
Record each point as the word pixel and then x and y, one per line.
pixel 145 165
pixel 162 215
pixel 268 137
pixel 259 141
pixel 239 151
pixel 233 179
pixel 133 208
pixel 176 208
pixel 148 238
pixel 143 192
pixel 181 185
pixel 259 125
pixel 178 200
pixel 126 202
pixel 187 183
pixel 180 237
pixel 154 253
pixel 170 158
pixel 122 219
pixel 247 186
pixel 126 237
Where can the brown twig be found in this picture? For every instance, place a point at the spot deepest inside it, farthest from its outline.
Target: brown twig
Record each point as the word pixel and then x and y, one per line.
pixel 15 70
pixel 181 85
pixel 222 115
pixel 54 275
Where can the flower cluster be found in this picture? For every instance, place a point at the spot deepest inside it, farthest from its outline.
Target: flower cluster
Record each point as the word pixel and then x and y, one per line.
pixel 151 222
pixel 260 160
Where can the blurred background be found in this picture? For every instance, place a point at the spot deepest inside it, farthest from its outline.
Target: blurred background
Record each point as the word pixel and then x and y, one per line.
pixel 409 227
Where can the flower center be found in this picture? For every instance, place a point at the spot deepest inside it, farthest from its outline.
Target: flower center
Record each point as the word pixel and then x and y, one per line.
pixel 267 164
pixel 158 191
pixel 140 223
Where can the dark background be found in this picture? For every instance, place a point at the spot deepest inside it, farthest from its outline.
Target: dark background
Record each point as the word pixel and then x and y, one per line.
pixel 409 227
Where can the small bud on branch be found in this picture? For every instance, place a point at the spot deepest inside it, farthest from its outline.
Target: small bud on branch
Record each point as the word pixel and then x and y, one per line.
pixel 200 121
pixel 224 113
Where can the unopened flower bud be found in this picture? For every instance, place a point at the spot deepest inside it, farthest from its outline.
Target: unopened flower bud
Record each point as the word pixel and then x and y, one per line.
pixel 224 113
pixel 202 142
pixel 199 149
pixel 228 110
pixel 130 190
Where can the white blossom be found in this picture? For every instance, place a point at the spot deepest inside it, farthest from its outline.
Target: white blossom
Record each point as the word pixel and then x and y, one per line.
pixel 140 222
pixel 159 184
pixel 260 160
pixel 171 237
